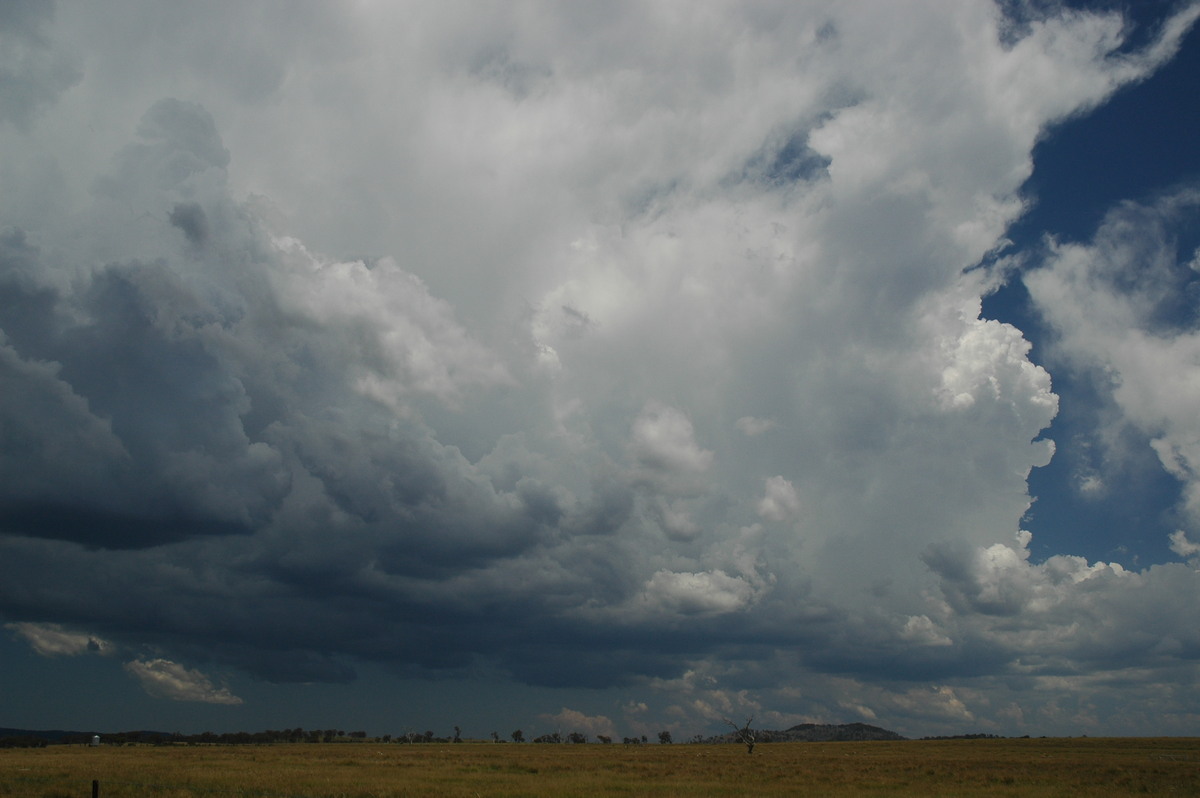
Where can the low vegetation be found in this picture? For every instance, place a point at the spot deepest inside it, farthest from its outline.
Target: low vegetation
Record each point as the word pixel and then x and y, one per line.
pixel 1038 767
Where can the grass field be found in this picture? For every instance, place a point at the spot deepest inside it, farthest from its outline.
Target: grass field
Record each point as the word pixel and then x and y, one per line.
pixel 1041 767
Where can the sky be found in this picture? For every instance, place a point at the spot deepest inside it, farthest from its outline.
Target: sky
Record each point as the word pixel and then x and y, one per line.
pixel 609 368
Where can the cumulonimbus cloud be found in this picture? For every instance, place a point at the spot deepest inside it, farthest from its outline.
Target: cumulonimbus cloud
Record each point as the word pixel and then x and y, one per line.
pixel 607 351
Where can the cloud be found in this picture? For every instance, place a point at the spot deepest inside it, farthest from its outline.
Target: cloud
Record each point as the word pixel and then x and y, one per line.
pixel 920 630
pixel 753 426
pixel 1122 307
pixel 33 73
pixel 572 720
pixel 663 440
pixel 596 350
pixel 705 593
pixel 779 501
pixel 1066 612
pixel 52 640
pixel 1182 546
pixel 411 340
pixel 162 678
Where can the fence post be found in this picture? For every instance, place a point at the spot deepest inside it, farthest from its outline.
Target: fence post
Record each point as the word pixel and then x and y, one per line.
pixel 95 788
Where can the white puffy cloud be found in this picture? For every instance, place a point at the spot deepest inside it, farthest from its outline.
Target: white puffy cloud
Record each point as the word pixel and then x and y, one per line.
pixel 705 593
pixel 1067 613
pixel 567 721
pixel 1123 307
pixel 1181 545
pixel 921 630
pixel 163 678
pixel 663 440
pixel 52 640
pixel 779 501
pixel 409 340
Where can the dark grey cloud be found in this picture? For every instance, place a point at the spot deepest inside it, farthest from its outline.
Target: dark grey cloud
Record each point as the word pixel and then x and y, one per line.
pixel 189 217
pixel 147 411
pixel 141 406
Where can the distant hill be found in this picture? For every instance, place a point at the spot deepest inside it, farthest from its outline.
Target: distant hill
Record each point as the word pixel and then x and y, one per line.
pixel 30 738
pixel 50 735
pixel 816 733
pixel 13 736
pixel 825 732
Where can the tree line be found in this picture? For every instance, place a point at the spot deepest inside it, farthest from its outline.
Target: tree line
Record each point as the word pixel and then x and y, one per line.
pixel 301 735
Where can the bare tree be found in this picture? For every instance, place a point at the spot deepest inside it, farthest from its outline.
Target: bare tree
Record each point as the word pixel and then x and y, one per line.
pixel 744 734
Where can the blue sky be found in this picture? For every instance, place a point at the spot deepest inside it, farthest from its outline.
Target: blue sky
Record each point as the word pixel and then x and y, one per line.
pixel 600 369
pixel 1142 137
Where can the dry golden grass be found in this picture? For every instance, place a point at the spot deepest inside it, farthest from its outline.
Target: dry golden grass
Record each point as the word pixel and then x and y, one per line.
pixel 1054 767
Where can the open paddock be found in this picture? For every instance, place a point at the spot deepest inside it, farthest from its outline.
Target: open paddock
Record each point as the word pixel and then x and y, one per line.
pixel 1027 767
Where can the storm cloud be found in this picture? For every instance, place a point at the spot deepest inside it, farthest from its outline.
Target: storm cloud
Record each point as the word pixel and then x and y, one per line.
pixel 589 347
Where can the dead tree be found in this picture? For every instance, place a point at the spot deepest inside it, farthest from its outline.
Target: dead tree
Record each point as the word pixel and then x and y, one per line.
pixel 744 734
